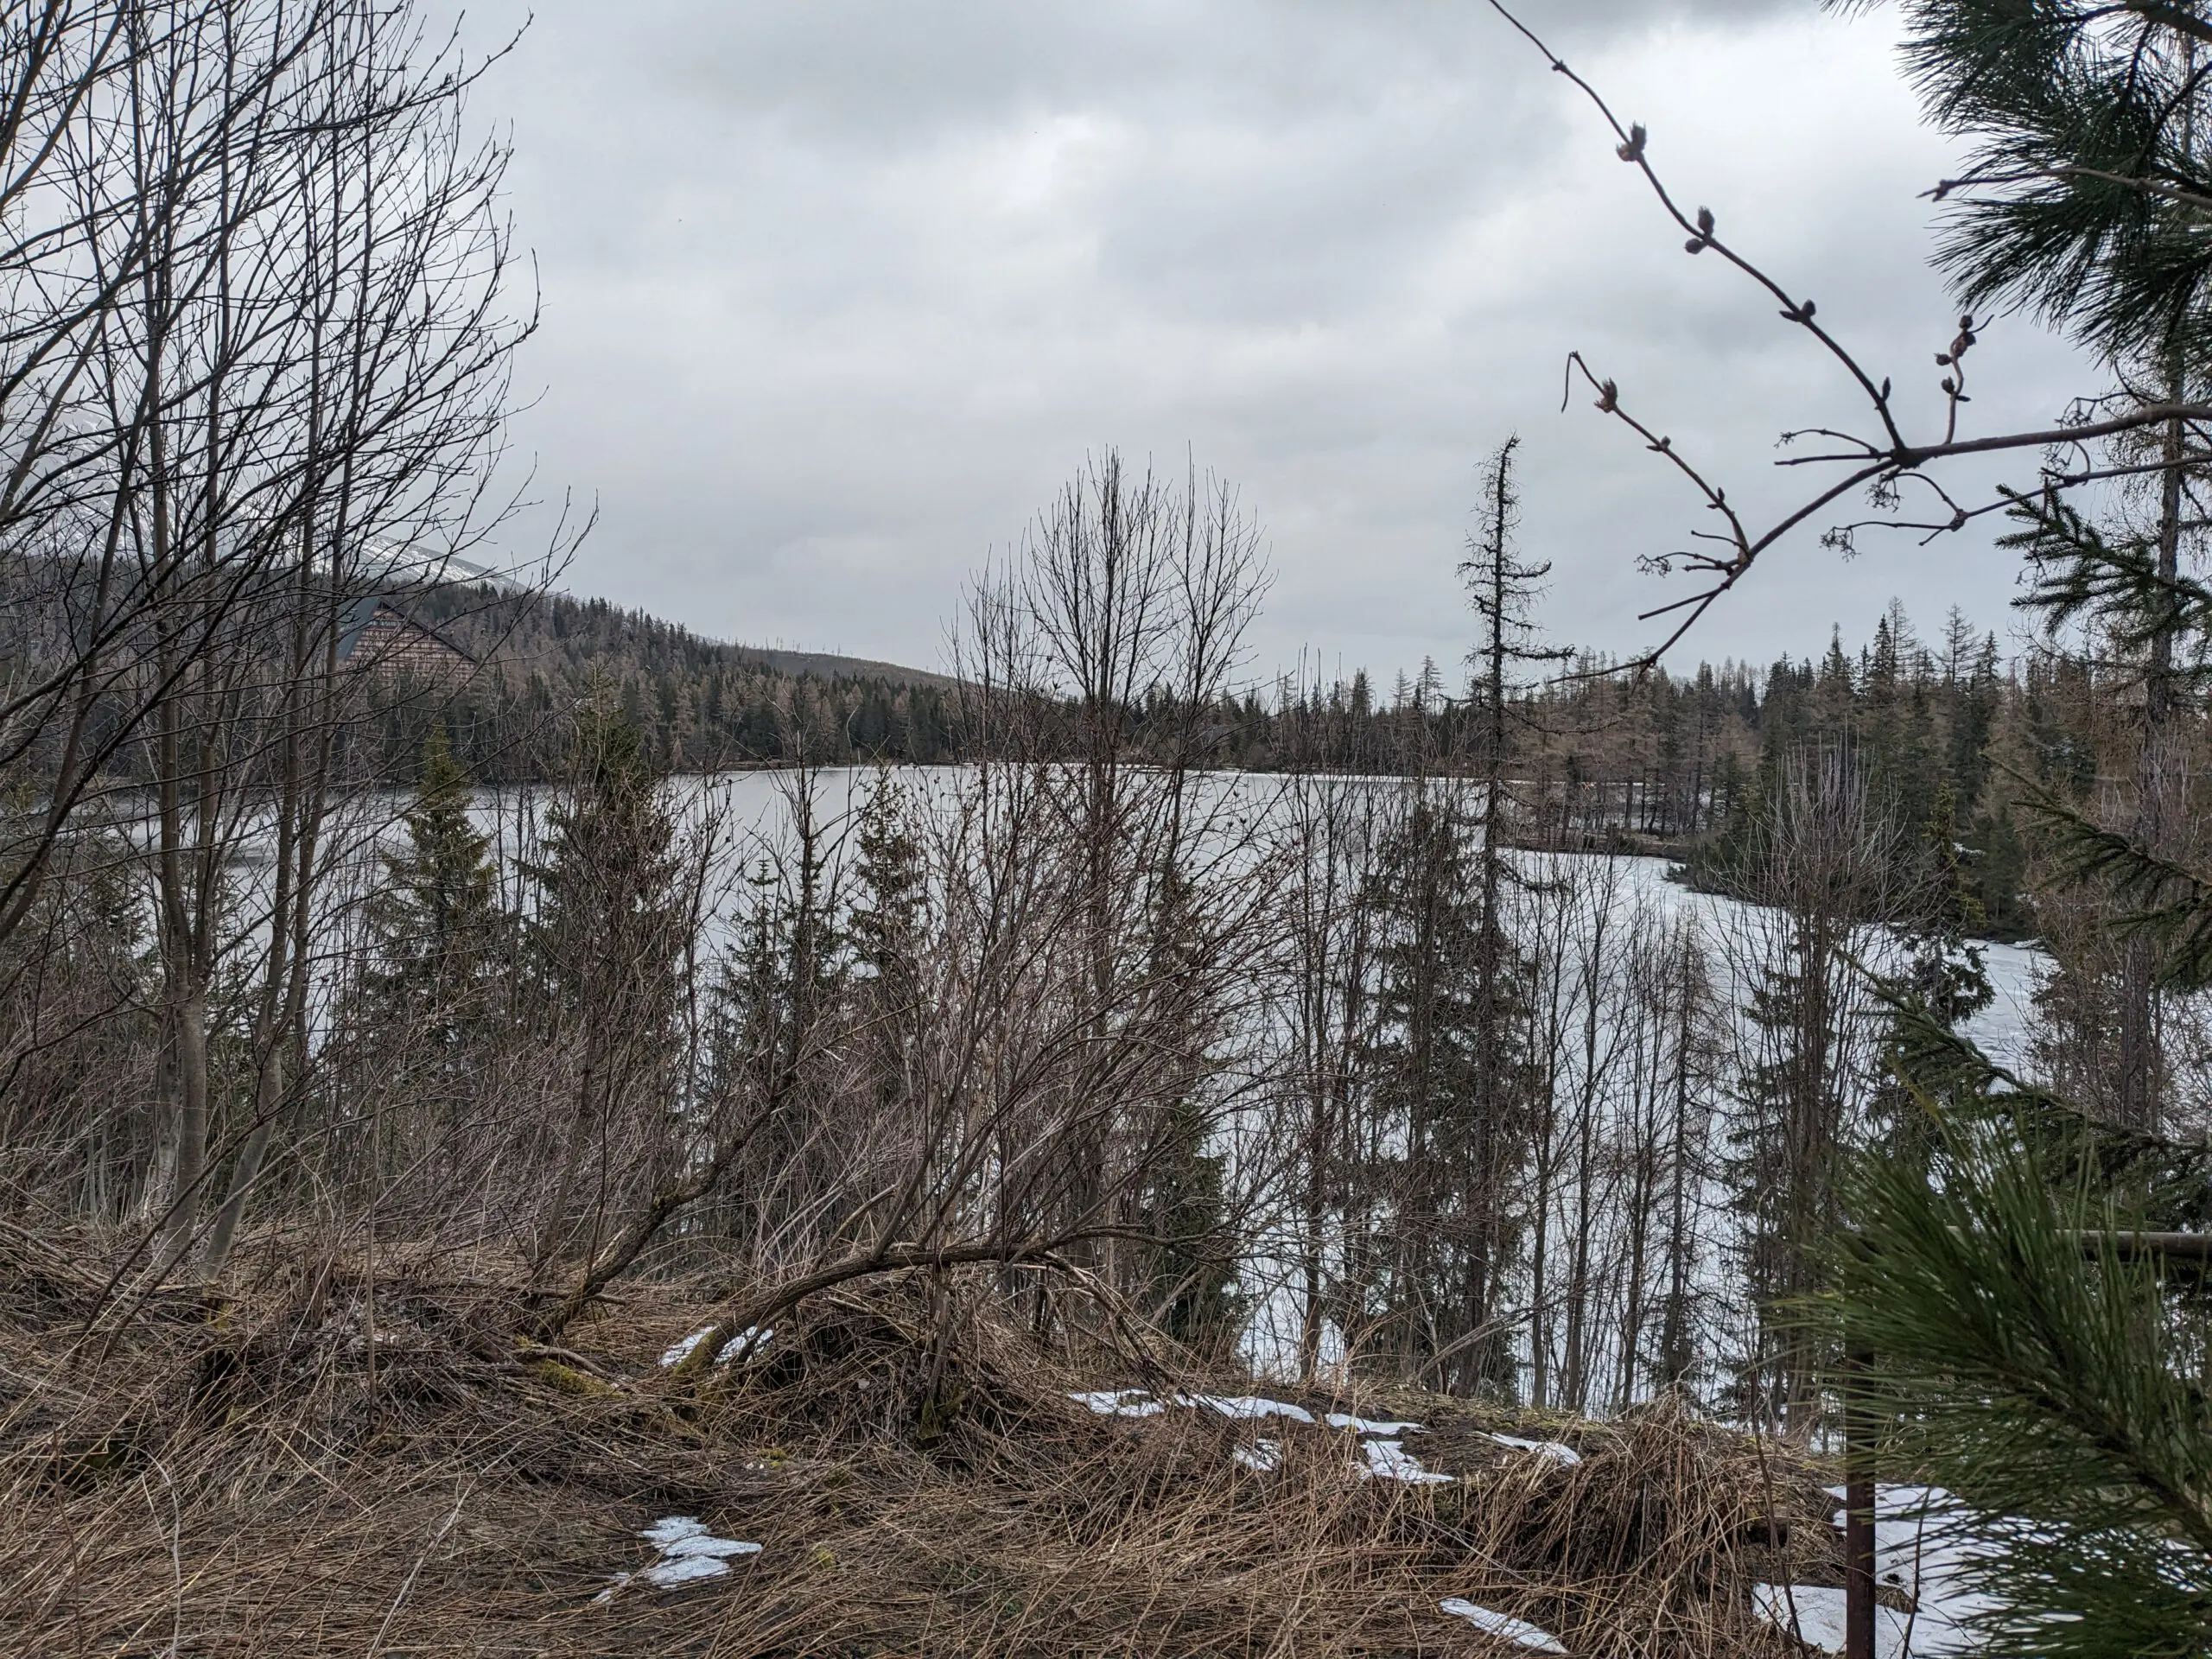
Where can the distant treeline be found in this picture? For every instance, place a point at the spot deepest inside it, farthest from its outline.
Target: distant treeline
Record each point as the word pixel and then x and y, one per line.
pixel 1944 735
pixel 1946 738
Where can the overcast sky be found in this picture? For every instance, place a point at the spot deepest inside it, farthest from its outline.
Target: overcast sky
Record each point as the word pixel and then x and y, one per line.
pixel 836 291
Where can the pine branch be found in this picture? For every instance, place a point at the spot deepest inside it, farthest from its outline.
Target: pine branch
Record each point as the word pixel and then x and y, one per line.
pixel 2163 1184
pixel 2082 575
pixel 2172 903
pixel 2054 1394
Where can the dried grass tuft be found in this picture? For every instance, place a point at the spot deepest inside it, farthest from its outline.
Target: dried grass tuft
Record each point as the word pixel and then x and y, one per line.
pixel 330 1463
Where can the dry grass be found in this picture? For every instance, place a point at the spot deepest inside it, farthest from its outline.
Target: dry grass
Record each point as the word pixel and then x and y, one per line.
pixel 259 1477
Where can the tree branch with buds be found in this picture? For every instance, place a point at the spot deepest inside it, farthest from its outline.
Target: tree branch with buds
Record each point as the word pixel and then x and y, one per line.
pixel 1878 461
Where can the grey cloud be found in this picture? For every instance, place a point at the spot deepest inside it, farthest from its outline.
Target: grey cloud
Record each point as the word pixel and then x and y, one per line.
pixel 835 293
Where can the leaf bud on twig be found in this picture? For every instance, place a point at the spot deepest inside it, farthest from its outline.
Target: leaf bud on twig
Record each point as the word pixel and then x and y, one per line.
pixel 1633 149
pixel 1609 397
pixel 1705 221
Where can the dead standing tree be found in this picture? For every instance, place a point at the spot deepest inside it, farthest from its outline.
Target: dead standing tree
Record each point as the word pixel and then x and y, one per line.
pixel 1503 590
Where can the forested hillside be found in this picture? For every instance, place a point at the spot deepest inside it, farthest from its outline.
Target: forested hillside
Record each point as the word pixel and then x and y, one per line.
pixel 699 705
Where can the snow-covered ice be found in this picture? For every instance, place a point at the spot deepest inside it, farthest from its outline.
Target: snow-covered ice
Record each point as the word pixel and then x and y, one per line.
pixel 1388 1460
pixel 1500 1624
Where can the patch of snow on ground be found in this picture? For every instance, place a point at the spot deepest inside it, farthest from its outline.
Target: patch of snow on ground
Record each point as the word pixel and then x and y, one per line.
pixel 681 1351
pixel 1505 1624
pixel 1928 1633
pixel 1388 1460
pixel 1924 1536
pixel 1246 1406
pixel 687 1552
pixel 1370 1425
pixel 1262 1457
pixel 1120 1402
pixel 1553 1450
pixel 743 1343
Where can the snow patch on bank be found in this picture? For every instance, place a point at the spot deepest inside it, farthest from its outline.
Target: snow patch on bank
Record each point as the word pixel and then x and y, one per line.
pixel 1262 1457
pixel 1551 1451
pixel 738 1347
pixel 1139 1402
pixel 1924 1537
pixel 1500 1624
pixel 1378 1427
pixel 1388 1460
pixel 688 1552
pixel 1120 1402
pixel 1245 1407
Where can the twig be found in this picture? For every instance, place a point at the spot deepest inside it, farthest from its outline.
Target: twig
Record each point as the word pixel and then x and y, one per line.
pixel 1877 462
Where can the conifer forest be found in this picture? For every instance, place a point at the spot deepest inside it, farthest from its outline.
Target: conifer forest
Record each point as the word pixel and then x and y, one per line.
pixel 527 1128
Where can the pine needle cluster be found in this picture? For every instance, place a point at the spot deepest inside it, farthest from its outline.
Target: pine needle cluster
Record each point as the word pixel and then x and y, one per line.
pixel 2031 1359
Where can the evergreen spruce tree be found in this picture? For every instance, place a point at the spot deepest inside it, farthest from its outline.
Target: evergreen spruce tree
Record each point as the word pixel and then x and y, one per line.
pixel 1452 1080
pixel 437 935
pixel 603 940
pixel 882 933
pixel 1826 861
pixel 780 1003
pixel 1784 1142
pixel 884 924
pixel 1422 897
pixel 1190 1265
pixel 604 959
pixel 1191 1260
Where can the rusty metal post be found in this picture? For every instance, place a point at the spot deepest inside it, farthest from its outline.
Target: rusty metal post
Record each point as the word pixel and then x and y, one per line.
pixel 1857 1516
